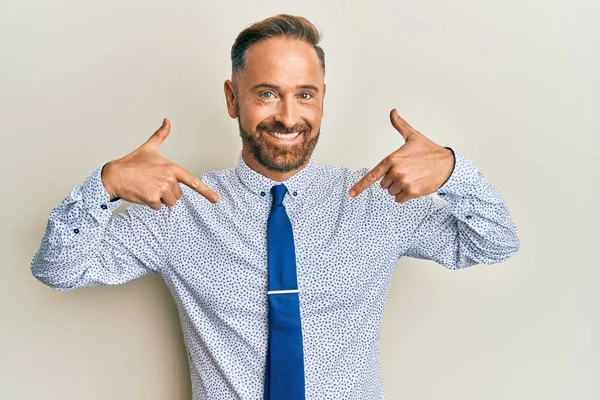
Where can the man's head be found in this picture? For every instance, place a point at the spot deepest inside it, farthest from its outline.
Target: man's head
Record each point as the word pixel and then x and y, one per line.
pixel 276 91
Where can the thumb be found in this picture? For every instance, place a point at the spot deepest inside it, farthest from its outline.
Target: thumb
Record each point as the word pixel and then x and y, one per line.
pixel 159 136
pixel 401 125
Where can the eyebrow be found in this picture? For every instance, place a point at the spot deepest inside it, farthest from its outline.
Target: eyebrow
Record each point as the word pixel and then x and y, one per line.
pixel 264 85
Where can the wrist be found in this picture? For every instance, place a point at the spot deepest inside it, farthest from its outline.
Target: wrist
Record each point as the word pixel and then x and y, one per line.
pixel 107 176
pixel 450 165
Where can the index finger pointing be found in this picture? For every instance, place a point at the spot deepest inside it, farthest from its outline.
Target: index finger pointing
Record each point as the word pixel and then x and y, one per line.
pixel 195 183
pixel 371 177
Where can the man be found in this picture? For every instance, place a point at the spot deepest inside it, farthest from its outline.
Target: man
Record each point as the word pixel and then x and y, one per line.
pixel 280 266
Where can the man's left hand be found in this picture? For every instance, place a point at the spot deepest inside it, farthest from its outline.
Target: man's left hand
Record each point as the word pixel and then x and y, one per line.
pixel 418 168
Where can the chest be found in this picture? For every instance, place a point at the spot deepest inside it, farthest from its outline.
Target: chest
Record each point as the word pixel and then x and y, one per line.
pixel 341 254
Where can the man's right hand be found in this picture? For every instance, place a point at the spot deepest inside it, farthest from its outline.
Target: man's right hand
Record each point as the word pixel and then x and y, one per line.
pixel 146 177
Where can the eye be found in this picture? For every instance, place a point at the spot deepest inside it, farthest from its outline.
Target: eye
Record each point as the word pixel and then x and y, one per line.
pixel 305 96
pixel 267 95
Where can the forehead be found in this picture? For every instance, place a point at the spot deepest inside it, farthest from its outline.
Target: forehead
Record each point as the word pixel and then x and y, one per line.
pixel 283 62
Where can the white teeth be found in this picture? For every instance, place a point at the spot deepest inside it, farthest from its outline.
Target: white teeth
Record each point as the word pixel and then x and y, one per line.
pixel 285 136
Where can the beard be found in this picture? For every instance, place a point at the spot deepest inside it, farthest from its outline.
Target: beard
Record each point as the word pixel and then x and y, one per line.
pixel 279 158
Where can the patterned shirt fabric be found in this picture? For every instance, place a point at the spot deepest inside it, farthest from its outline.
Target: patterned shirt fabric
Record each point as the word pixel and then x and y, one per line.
pixel 213 259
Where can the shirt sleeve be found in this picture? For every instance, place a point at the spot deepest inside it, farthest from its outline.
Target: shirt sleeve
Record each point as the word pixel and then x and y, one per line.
pixel 467 223
pixel 85 245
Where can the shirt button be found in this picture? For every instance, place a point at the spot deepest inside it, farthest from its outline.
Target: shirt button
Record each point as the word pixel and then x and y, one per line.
pixel 263 194
pixel 76 230
pixel 442 194
pixel 295 193
pixel 468 217
pixel 104 206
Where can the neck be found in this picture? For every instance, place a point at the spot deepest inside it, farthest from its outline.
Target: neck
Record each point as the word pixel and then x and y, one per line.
pixel 261 169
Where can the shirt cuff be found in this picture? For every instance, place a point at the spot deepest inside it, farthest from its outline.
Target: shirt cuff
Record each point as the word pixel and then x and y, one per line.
pixel 464 177
pixel 96 199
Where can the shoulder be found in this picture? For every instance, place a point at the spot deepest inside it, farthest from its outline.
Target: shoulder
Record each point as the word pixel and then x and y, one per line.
pixel 337 174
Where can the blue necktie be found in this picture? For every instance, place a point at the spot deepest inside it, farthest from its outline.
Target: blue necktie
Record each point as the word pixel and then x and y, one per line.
pixel 284 378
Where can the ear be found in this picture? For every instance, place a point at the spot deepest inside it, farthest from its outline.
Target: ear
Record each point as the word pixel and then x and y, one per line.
pixel 230 98
pixel 323 97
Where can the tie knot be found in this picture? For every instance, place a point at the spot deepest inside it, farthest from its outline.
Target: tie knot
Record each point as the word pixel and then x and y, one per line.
pixel 278 192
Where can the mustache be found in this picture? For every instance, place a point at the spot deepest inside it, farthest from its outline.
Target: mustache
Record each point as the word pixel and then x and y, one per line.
pixel 279 127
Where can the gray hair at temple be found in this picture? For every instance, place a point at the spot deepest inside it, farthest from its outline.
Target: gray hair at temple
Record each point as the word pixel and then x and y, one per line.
pixel 280 25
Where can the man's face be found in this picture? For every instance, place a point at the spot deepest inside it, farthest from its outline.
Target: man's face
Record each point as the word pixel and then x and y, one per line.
pixel 278 100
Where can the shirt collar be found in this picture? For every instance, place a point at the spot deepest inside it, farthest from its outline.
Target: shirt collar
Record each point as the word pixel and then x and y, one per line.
pixel 298 184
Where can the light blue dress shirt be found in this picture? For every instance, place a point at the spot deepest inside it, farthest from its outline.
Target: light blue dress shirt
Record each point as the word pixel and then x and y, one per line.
pixel 213 259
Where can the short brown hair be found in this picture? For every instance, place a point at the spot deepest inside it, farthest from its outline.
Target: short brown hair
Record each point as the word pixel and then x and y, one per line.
pixel 280 25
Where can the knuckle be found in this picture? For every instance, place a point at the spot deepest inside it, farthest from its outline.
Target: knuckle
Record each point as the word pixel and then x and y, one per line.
pixel 411 191
pixel 153 199
pixel 404 182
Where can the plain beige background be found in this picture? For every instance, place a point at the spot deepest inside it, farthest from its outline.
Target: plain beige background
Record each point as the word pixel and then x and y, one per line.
pixel 513 84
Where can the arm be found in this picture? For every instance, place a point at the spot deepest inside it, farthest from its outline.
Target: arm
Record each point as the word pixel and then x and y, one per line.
pixel 84 245
pixel 469 223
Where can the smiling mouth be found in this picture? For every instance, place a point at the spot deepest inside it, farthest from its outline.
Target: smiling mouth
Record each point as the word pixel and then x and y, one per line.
pixel 284 136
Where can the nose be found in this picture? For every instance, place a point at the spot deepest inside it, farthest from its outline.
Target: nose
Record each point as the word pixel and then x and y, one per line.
pixel 287 113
